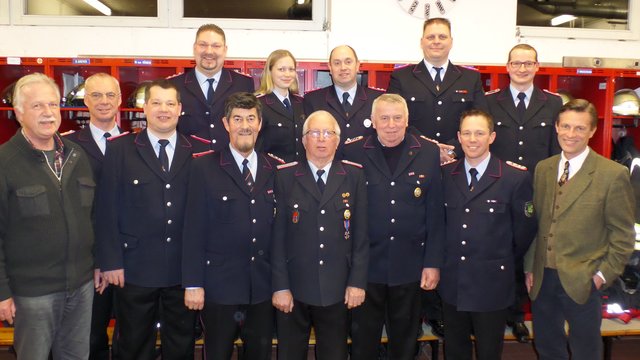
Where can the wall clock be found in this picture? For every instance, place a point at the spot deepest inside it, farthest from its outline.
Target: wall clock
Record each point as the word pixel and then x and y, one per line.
pixel 427 9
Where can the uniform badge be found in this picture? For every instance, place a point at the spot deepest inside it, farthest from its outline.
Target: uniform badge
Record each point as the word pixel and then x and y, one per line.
pixel 345 197
pixel 347 224
pixel 295 217
pixel 367 123
pixel 417 192
pixel 529 211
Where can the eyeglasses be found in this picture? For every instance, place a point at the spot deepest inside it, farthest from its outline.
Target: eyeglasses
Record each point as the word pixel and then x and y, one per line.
pixel 327 134
pixel 96 96
pixel 527 64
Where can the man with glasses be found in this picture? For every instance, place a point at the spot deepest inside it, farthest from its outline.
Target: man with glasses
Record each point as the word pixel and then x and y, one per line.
pixel 406 230
pixel 139 220
pixel 490 224
pixel 226 267
pixel 205 88
pixel 585 209
pixel 102 98
pixel 348 101
pixel 46 266
pixel 320 245
pixel 524 116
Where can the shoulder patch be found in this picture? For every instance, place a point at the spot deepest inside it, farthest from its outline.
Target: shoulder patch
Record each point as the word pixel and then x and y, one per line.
pixel 202 153
pixel 550 92
pixel 429 139
pixel 517 166
pixel 118 136
pixel 353 140
pixel 202 140
pixel 352 163
pixel 491 92
pixel 276 158
pixel 287 165
pixel 67 133
pixel 448 162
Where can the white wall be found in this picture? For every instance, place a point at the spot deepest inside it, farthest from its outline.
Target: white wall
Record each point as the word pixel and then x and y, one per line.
pixel 483 31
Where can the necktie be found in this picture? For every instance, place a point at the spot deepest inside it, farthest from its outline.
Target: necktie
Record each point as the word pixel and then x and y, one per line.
pixel 162 155
pixel 210 90
pixel 287 104
pixel 345 103
pixel 522 107
pixel 437 79
pixel 565 174
pixel 474 178
pixel 246 174
pixel 320 182
pixel 107 135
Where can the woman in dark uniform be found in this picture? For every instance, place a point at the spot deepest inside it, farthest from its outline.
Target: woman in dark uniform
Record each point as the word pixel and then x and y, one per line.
pixel 282 112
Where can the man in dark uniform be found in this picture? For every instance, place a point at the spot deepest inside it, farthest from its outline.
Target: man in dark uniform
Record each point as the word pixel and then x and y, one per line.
pixel 204 89
pixel 227 238
pixel 103 98
pixel 139 214
pixel 524 134
pixel 436 90
pixel 320 245
pixel 348 102
pixel 490 224
pixel 406 230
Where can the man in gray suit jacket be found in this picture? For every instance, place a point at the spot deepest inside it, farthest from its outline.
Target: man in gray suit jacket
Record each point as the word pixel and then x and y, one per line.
pixel 585 209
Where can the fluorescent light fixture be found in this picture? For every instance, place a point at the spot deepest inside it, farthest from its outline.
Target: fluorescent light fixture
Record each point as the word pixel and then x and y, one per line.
pixel 557 20
pixel 99 6
pixel 300 2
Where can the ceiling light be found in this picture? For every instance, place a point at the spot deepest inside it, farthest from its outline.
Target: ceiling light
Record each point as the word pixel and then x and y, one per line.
pixel 99 6
pixel 559 19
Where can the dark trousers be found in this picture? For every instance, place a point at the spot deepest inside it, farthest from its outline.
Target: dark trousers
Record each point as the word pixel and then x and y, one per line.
pixel 516 311
pixel 431 305
pixel 400 307
pixel 551 308
pixel 224 323
pixel 487 327
pixel 137 310
pixel 330 325
pixel 100 317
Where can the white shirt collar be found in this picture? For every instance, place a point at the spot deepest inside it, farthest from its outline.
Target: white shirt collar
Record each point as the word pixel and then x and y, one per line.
pixel 575 164
pixel 253 160
pixel 352 93
pixel 432 71
pixel 98 135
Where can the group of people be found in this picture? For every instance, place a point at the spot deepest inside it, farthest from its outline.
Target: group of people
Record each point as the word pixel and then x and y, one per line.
pixel 348 210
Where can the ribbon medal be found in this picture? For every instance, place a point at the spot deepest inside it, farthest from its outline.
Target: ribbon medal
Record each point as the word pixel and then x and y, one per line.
pixel 347 223
pixel 295 216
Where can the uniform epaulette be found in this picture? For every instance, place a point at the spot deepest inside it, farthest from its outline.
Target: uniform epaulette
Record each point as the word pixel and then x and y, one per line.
pixel 377 88
pixel 400 66
pixel 241 73
pixel 287 165
pixel 491 92
pixel 352 163
pixel 469 67
pixel 311 90
pixel 67 133
pixel 517 166
pixel 174 75
pixel 353 140
pixel 204 141
pixel 259 95
pixel 111 138
pixel 550 92
pixel 276 158
pixel 202 153
pixel 448 162
pixel 429 139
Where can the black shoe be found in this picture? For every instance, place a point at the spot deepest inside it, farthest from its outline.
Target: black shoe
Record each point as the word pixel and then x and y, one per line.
pixel 437 327
pixel 520 331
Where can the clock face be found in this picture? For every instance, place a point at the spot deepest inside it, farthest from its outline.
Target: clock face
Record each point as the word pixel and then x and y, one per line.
pixel 427 9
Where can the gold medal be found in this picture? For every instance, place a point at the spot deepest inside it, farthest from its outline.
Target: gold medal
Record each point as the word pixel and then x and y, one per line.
pixel 417 192
pixel 347 214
